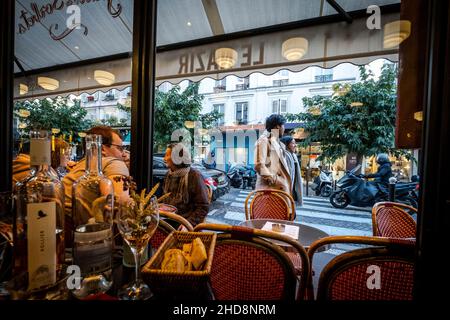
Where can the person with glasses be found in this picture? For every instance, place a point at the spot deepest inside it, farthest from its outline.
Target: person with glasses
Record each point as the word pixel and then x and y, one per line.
pixel 113 164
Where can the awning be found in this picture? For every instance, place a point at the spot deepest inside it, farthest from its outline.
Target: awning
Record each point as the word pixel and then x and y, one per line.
pixel 106 29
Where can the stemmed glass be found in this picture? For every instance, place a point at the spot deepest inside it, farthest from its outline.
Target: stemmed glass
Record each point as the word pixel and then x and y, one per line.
pixel 137 222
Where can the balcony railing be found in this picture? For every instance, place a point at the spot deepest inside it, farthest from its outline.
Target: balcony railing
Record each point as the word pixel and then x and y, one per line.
pixel 280 83
pixel 109 97
pixel 242 86
pixel 218 89
pixel 323 78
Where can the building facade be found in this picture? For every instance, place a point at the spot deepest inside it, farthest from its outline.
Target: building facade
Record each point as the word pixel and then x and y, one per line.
pixel 246 103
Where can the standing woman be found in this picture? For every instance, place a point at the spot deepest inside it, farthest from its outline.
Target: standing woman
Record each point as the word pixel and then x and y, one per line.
pixel 294 169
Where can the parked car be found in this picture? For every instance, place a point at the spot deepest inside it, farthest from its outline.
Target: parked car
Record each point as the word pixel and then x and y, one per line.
pixel 216 179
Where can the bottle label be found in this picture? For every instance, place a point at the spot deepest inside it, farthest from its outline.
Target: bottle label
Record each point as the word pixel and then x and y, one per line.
pixel 93 249
pixel 41 234
pixel 40 152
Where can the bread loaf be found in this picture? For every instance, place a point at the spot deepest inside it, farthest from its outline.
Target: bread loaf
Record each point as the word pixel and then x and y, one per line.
pixel 198 253
pixel 192 257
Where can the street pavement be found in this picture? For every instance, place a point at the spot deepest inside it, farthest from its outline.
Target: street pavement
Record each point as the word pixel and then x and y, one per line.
pixel 316 212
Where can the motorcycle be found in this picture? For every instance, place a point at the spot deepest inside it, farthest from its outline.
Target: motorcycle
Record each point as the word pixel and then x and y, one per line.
pixel 235 176
pixel 355 190
pixel 242 176
pixel 323 183
pixel 249 178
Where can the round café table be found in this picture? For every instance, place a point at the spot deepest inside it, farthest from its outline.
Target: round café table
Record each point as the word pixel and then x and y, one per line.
pixel 306 235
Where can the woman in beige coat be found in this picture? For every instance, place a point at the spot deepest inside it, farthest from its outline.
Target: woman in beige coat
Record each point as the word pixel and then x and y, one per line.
pixel 270 161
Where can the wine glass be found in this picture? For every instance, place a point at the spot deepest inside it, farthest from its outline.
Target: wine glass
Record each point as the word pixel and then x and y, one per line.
pixel 137 223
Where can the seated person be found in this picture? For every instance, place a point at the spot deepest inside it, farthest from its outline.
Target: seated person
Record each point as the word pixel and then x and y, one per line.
pixel 188 191
pixel 113 165
pixel 21 163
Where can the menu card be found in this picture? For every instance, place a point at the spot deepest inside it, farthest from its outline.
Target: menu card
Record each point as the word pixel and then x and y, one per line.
pixel 289 230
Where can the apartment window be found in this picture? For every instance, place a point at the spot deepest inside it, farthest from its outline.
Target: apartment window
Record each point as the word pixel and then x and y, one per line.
pixel 284 73
pixel 221 85
pixel 242 112
pixel 243 83
pixel 110 95
pixel 323 75
pixel 220 108
pixel 279 106
pixel 280 82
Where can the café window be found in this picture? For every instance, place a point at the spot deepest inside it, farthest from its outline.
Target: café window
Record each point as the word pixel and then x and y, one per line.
pixel 220 108
pixel 279 106
pixel 241 112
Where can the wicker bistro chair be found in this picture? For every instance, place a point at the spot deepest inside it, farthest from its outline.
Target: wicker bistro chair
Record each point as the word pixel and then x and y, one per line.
pixel 389 219
pixel 165 228
pixel 351 275
pixel 246 266
pixel 269 204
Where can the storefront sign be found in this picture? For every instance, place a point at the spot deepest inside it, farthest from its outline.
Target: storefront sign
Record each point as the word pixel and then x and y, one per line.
pixel 325 46
pixel 37 14
pixel 200 61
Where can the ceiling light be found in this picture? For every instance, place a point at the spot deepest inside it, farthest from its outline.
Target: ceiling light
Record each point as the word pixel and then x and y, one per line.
pixel 189 24
pixel 48 83
pixel 189 124
pixel 76 48
pixel 105 78
pixel 418 116
pixel 23 89
pixel 315 110
pixel 24 113
pixel 395 32
pixel 294 49
pixel 226 57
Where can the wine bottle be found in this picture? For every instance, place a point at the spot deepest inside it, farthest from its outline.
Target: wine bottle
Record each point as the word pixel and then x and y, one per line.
pixel 38 225
pixel 92 215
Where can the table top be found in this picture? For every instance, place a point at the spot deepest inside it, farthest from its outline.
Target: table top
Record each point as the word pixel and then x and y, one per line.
pixel 306 235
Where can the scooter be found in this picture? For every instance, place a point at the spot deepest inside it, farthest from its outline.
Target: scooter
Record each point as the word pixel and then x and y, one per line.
pixel 323 183
pixel 235 175
pixel 354 190
pixel 242 176
pixel 249 178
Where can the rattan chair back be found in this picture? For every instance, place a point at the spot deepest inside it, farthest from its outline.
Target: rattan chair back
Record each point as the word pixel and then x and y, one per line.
pixel 384 271
pixel 247 266
pixel 165 228
pixel 391 220
pixel 269 204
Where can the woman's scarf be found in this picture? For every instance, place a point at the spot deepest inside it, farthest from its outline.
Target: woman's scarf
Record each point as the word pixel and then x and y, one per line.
pixel 177 185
